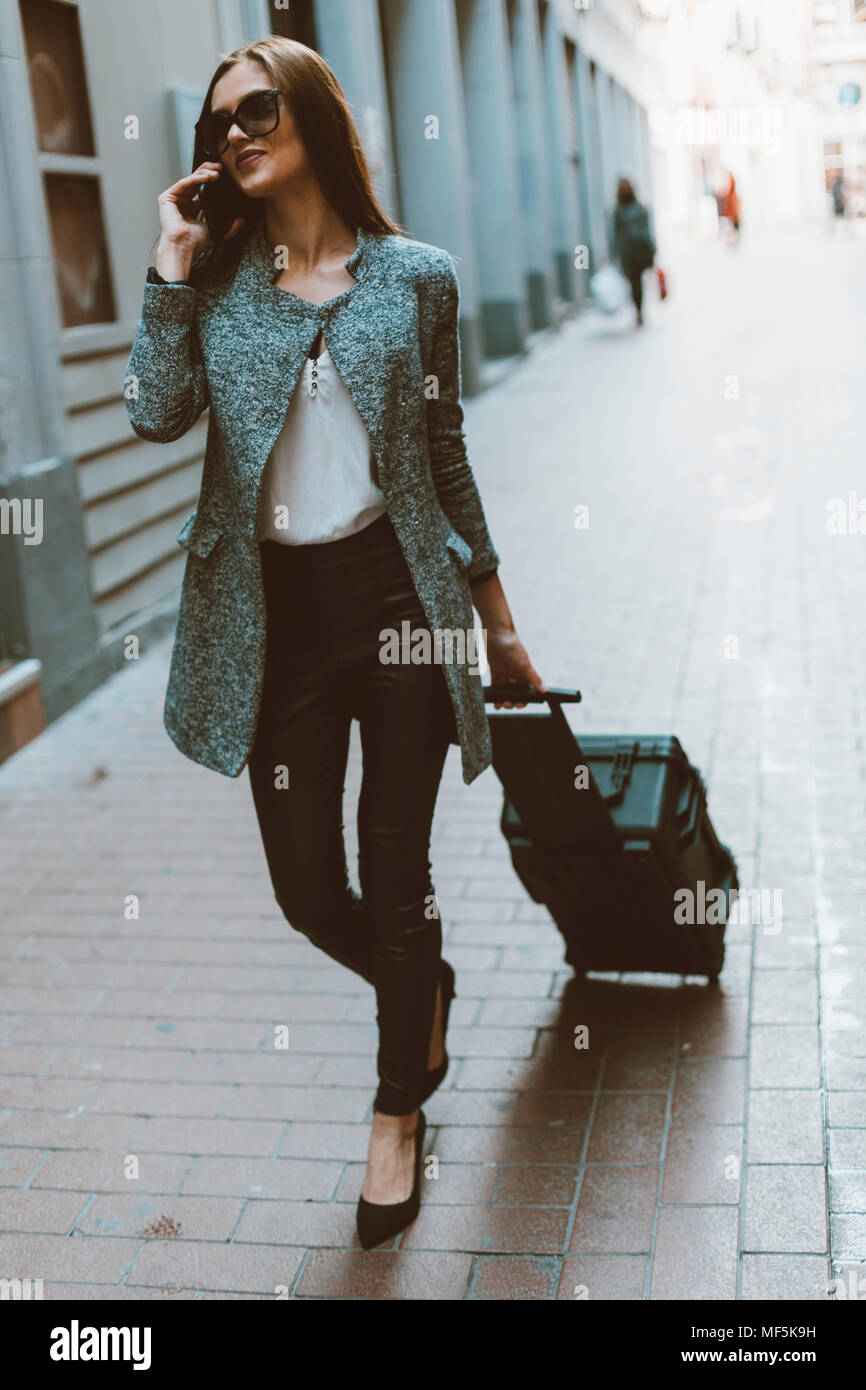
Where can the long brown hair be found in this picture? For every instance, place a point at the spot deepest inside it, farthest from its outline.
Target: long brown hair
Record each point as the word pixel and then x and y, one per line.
pixel 330 137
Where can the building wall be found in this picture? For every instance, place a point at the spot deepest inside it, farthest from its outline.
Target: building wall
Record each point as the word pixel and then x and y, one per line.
pixel 483 136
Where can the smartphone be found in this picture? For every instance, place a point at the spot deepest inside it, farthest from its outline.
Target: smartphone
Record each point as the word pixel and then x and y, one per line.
pixel 222 201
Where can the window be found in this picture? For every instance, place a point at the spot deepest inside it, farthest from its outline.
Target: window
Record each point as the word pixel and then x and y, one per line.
pixel 67 157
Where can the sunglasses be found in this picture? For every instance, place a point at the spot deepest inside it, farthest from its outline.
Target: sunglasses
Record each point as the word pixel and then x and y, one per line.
pixel 257 114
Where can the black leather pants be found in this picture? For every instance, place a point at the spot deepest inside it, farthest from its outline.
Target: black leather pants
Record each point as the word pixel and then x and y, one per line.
pixel 326 606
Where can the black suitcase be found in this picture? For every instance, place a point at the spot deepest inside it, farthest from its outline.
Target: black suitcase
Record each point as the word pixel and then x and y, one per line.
pixel 612 835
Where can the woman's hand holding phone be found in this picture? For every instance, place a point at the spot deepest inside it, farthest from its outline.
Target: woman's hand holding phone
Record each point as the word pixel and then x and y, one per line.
pixel 184 233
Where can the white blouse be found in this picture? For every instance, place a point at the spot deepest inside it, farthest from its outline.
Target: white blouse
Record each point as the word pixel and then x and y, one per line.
pixel 318 482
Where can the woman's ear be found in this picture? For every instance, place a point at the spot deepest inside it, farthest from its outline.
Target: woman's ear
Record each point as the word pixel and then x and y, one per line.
pixel 234 228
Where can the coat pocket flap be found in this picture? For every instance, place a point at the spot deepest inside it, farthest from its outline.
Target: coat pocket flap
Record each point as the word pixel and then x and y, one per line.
pixel 199 535
pixel 459 546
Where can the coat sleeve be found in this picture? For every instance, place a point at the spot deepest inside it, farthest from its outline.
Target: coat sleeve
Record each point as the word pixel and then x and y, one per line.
pixel 165 387
pixel 446 442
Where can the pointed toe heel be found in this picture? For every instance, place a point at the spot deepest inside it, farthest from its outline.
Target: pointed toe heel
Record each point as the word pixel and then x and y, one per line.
pixel 377 1222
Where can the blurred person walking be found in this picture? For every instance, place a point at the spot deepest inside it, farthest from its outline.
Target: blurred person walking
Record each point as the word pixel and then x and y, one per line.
pixel 634 245
pixel 337 504
pixel 729 210
pixel 842 206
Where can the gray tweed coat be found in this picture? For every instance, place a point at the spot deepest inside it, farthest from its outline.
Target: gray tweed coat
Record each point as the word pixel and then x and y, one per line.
pixel 238 347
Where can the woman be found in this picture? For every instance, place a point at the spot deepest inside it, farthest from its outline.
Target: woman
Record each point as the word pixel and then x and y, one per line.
pixel 337 505
pixel 633 241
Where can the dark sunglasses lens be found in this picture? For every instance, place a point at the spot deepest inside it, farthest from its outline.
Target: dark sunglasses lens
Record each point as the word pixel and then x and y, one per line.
pixel 215 131
pixel 258 114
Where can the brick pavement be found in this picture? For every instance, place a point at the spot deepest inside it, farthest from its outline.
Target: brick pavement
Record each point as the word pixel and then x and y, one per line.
pixel 155 1142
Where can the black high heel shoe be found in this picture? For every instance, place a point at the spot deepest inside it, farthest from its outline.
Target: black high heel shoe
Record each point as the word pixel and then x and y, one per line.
pixel 436 1075
pixel 376 1221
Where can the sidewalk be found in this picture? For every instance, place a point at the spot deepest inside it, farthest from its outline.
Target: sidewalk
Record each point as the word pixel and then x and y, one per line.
pixel 155 1142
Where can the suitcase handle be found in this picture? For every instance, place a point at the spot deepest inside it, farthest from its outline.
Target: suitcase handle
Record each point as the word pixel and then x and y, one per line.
pixel 528 695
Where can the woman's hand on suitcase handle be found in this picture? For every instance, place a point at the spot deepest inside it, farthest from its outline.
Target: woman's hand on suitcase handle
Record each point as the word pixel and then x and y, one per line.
pixel 510 663
pixel 506 654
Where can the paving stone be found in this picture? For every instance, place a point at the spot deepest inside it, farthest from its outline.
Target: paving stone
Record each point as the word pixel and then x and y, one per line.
pixel 785 1209
pixel 703 1165
pixel 296 1103
pixel 555 1144
pixel 49 1213
pixel 848 1190
pixel 304 1179
pixel 524 1185
pixel 299 1223
pixel 627 1129
pixel 796 949
pixel 310 1140
pixel 178 1099
pixel 848 1148
pixel 215 1266
pixel 52 1130
pixel 508 1230
pixel 695 1254
pixel 639 1059
pixel 784 1054
pixel 616 1210
pixel 161 1217
pixel 116 1063
pixel 381 1274
pixel 75 1259
pixel 94 1170
pixel 709 1091
pixel 848 1234
pixel 846 1109
pixel 717 1027
pixel 504 1278
pixel 577 1071
pixel 19 1165
pixel 785 996
pixel 785 1126
pixel 784 1278
pixel 256 1138
pixel 611 1278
